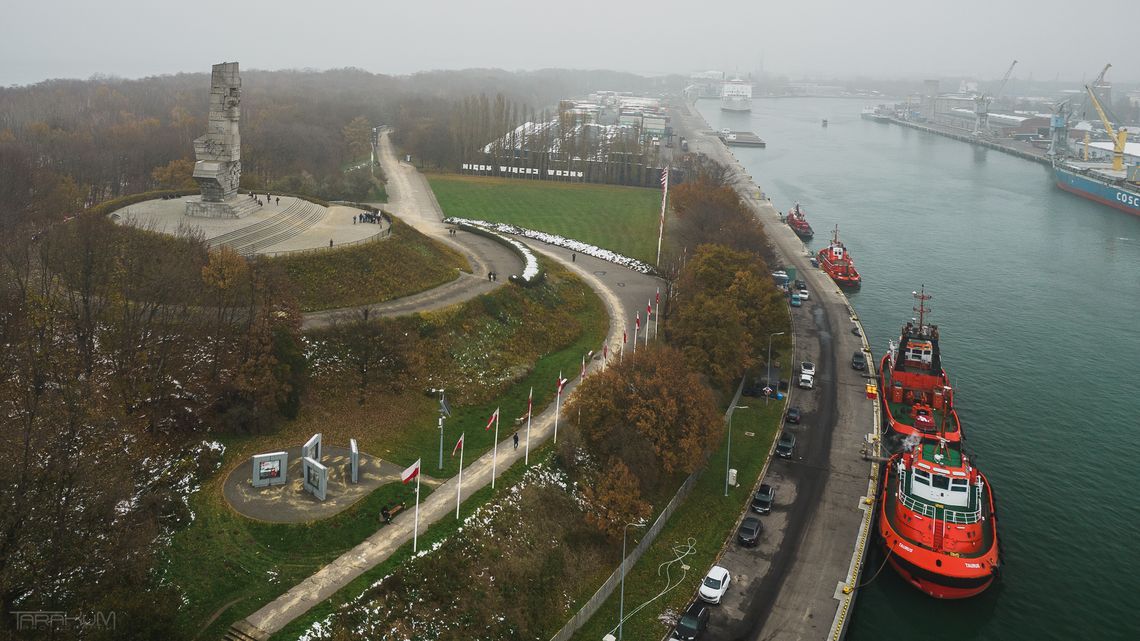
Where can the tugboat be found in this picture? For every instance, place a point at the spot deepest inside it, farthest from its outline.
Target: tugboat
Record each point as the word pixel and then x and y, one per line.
pixel 916 395
pixel 937 522
pixel 799 224
pixel 837 262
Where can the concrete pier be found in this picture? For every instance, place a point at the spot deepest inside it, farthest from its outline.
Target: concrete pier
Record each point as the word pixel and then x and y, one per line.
pixel 802 579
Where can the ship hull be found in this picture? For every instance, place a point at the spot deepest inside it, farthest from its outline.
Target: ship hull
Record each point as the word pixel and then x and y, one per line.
pixel 897 431
pixel 938 575
pixel 1098 191
pixel 736 103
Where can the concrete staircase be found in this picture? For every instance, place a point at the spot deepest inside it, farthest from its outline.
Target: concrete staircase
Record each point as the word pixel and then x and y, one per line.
pixel 242 631
pixel 295 220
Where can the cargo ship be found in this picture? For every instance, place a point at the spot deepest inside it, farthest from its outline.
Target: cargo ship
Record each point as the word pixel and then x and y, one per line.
pixel 736 96
pixel 937 521
pixel 916 395
pixel 798 222
pixel 1113 184
pixel 837 262
pixel 1100 183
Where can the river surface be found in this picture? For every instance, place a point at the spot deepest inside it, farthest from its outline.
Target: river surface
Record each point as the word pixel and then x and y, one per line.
pixel 1037 296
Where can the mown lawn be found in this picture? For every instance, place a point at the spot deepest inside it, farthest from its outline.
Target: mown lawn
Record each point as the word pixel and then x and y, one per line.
pixel 706 515
pixel 406 263
pixel 622 219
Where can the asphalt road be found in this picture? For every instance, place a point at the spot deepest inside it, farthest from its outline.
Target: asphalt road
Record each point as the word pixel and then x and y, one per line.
pixel 787 587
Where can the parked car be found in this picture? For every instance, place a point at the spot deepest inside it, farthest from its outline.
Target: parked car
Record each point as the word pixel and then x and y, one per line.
pixel 807 367
pixel 800 284
pixel 806 381
pixel 715 584
pixel 749 533
pixel 763 499
pixel 803 293
pixel 795 299
pixel 786 446
pixel 859 360
pixel 691 626
pixel 793 415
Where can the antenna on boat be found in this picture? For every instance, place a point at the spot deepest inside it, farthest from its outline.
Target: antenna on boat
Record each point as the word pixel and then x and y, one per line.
pixel 835 235
pixel 922 309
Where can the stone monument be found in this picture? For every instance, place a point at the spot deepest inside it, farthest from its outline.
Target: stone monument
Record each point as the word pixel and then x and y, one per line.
pixel 218 153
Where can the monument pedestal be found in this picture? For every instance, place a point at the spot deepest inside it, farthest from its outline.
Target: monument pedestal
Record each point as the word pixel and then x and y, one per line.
pixel 234 207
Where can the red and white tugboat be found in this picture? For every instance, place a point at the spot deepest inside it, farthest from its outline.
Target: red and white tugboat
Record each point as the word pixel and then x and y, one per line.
pixel 837 262
pixel 798 222
pixel 937 522
pixel 915 391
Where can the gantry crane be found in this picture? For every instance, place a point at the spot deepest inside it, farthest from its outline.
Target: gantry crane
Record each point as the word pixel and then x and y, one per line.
pixel 982 105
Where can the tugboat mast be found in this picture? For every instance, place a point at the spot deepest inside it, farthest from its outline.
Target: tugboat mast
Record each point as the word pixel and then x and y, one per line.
pixel 921 296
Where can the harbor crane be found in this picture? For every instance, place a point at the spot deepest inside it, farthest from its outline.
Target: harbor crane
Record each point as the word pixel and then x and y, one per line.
pixel 982 105
pixel 1119 138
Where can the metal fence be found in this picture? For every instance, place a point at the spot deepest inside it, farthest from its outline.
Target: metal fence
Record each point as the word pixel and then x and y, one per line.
pixel 591 607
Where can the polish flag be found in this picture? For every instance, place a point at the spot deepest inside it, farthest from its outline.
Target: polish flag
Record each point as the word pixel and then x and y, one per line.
pixel 458 444
pixel 624 337
pixel 412 472
pixel 658 296
pixel 637 321
pixel 648 310
pixel 562 383
pixel 492 420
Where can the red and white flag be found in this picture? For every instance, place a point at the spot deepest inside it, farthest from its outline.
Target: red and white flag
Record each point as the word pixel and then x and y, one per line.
pixel 561 383
pixel 412 472
pixel 458 444
pixel 648 310
pixel 624 337
pixel 492 420
pixel 658 297
pixel 583 366
pixel 637 322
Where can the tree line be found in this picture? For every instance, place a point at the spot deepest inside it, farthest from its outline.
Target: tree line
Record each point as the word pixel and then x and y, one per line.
pixel 653 418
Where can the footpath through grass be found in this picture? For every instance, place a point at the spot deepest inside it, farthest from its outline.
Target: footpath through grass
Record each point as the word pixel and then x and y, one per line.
pixel 707 516
pixel 406 263
pixel 622 219
pixel 229 564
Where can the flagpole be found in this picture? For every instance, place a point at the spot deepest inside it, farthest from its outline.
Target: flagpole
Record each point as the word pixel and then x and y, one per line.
pixel 416 529
pixel 661 228
pixel 529 411
pixel 648 311
pixel 557 406
pixel 657 313
pixel 495 457
pixel 636 330
pixel 459 491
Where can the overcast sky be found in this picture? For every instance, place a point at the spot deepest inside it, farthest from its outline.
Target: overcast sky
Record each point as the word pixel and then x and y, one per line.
pixel 45 39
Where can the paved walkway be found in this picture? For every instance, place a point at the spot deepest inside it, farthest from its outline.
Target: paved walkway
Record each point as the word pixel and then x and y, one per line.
pixel 411 199
pixel 622 291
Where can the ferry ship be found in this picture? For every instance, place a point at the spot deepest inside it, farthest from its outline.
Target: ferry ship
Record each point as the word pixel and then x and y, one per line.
pixel 736 96
pixel 798 222
pixel 916 397
pixel 937 522
pixel 882 113
pixel 1100 183
pixel 837 262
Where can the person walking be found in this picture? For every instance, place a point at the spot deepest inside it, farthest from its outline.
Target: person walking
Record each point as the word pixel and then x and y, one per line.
pixel 516 440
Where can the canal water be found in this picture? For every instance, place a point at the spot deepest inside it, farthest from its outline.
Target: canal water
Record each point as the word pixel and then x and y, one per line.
pixel 1037 296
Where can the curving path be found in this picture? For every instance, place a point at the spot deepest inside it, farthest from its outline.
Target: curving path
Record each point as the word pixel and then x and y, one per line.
pixel 410 197
pixel 623 292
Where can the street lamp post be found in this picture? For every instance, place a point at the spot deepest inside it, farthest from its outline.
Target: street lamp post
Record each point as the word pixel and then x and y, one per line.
pixel 621 605
pixel 728 454
pixel 769 365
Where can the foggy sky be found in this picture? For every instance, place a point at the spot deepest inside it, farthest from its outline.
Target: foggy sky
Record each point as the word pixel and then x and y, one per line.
pixel 819 39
